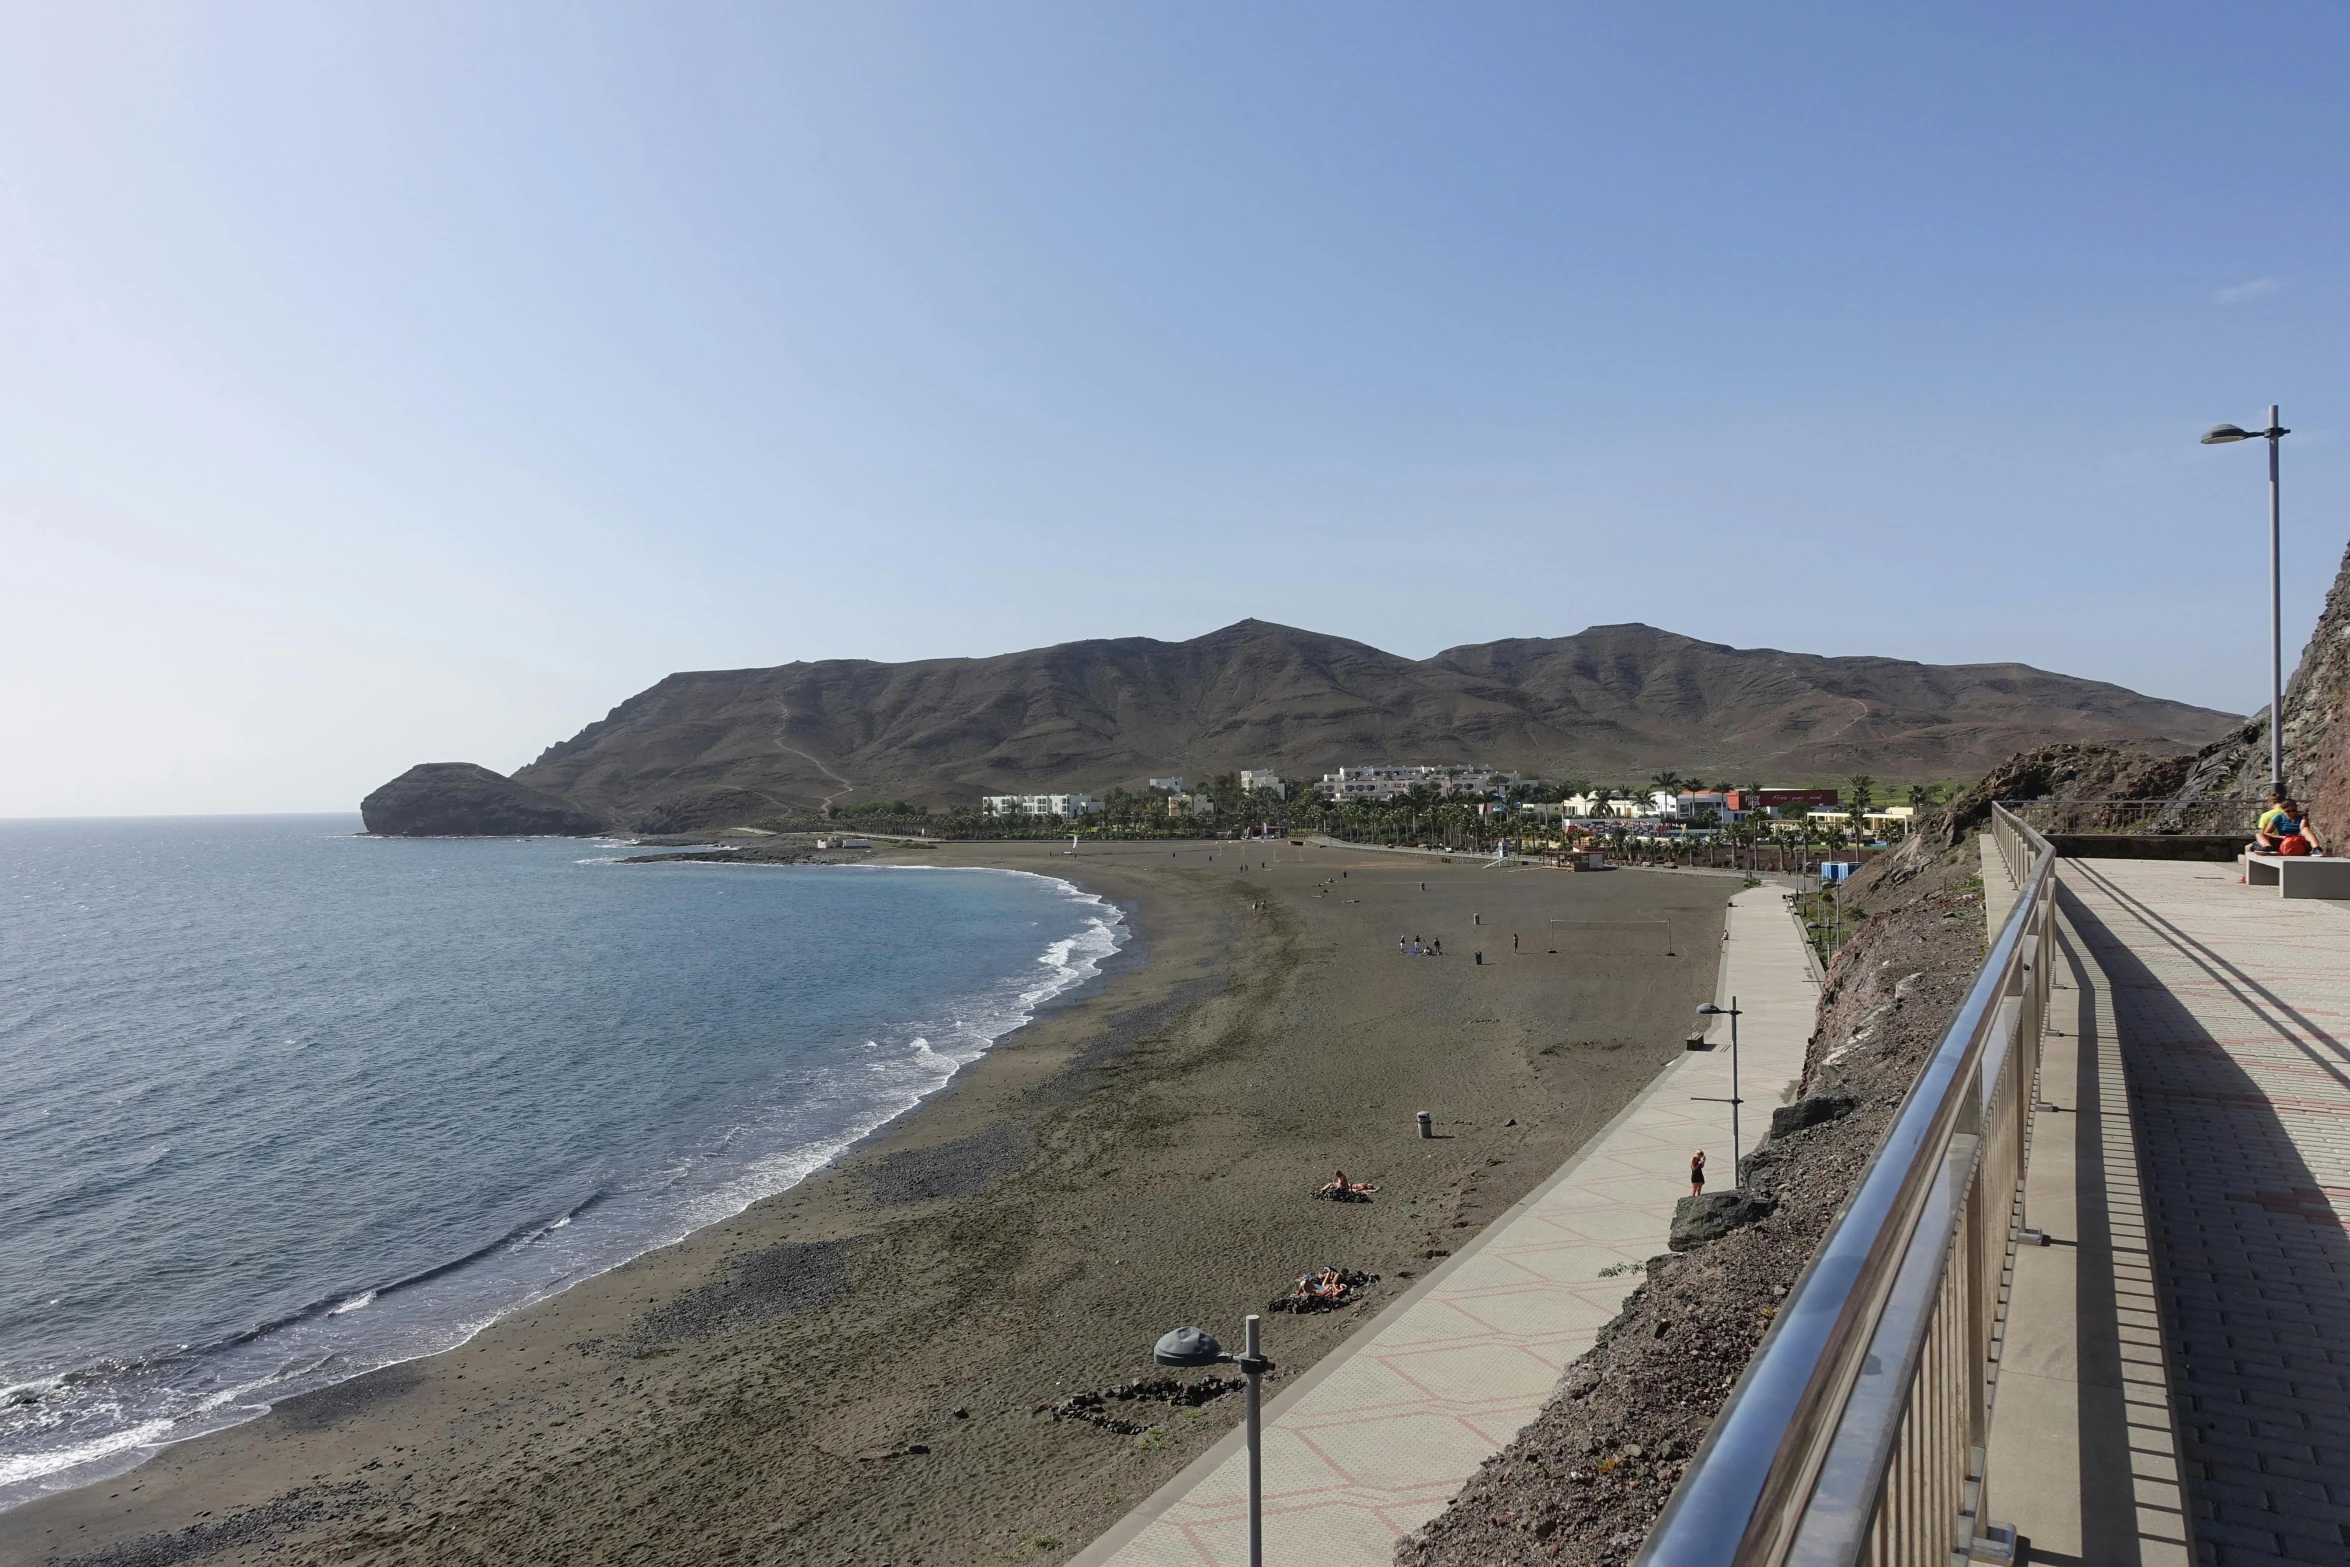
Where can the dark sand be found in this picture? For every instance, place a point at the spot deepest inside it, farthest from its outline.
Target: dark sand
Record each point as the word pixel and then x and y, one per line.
pixel 1138 1158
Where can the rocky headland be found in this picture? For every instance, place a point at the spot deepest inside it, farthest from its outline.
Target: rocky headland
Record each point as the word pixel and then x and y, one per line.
pixel 464 800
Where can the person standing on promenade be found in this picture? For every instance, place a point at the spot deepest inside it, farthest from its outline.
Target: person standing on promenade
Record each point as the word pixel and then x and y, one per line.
pixel 1697 1173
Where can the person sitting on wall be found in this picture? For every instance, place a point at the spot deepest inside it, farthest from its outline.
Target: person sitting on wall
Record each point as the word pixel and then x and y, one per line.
pixel 2272 824
pixel 2292 830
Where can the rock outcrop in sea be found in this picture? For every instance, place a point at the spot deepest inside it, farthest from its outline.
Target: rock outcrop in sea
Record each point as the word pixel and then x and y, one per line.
pixel 466 800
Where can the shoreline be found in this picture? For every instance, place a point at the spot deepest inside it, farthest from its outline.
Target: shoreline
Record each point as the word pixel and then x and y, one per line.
pixel 460 1320
pixel 786 1380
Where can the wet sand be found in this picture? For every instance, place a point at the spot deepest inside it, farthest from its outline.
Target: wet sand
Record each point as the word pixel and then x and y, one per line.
pixel 1137 1158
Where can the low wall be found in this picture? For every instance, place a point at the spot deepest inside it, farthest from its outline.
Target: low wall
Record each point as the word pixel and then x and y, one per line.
pixel 2221 847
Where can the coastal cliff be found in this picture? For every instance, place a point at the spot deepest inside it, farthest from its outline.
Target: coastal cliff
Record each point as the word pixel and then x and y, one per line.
pixel 464 800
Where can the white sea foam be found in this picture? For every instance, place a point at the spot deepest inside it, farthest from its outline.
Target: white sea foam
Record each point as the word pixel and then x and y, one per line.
pixel 29 1392
pixel 358 1302
pixel 15 1469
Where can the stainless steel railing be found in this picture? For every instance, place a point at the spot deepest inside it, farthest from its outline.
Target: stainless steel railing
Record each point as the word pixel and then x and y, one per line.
pixel 1855 1438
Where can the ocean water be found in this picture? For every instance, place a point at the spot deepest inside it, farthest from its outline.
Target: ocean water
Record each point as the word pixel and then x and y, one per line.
pixel 280 1104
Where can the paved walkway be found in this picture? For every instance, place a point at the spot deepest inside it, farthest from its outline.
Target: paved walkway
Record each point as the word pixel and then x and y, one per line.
pixel 1373 1441
pixel 2083 1458
pixel 2233 1008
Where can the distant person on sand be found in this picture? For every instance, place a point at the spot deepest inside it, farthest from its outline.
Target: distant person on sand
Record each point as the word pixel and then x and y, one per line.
pixel 1436 948
pixel 1697 1173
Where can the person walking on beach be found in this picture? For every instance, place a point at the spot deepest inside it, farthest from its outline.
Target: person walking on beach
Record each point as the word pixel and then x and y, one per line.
pixel 1513 941
pixel 1697 1173
pixel 1402 949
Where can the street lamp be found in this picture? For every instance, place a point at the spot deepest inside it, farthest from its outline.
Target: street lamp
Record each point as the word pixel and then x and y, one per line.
pixel 1737 1156
pixel 2222 435
pixel 1196 1347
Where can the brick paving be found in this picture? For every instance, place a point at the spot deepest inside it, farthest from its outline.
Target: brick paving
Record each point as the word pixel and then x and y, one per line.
pixel 2233 1010
pixel 1373 1441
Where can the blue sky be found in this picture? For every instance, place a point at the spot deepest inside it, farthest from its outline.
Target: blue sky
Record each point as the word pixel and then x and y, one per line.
pixel 383 383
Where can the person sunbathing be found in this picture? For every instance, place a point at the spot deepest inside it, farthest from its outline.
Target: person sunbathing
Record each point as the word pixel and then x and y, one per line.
pixel 1343 1188
pixel 1323 1284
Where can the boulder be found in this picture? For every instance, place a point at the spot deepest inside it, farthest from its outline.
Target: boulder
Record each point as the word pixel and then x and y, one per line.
pixel 1700 1221
pixel 1811 1112
pixel 464 800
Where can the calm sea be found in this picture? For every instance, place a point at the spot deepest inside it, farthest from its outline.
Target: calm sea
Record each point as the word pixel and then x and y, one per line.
pixel 283 1104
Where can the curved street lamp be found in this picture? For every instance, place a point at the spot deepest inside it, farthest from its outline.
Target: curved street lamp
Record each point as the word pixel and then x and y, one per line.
pixel 1737 1146
pixel 2222 435
pixel 1196 1347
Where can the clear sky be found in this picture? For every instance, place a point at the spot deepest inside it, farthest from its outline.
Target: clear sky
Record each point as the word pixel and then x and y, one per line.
pixel 410 381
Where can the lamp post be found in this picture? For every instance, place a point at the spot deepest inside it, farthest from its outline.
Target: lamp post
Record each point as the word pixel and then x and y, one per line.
pixel 1737 1146
pixel 2222 435
pixel 1195 1347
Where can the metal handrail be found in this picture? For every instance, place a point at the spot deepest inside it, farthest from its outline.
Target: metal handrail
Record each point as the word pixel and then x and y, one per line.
pixel 1855 1435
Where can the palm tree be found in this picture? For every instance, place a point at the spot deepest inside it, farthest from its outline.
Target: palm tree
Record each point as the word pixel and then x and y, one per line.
pixel 1668 780
pixel 1924 797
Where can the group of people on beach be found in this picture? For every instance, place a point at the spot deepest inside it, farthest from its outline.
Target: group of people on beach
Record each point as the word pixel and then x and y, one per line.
pixel 1411 948
pixel 2283 829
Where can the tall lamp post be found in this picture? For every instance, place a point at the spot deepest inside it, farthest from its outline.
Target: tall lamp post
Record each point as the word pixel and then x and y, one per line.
pixel 2221 435
pixel 1737 1146
pixel 1195 1347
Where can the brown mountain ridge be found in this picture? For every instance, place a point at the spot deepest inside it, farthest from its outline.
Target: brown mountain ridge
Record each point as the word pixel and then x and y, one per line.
pixel 1613 702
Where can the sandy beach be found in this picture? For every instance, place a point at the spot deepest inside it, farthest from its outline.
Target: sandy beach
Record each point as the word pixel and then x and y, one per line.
pixel 853 1371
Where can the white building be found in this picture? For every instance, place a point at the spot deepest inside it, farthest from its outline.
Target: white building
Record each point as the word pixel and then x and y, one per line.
pixel 1688 803
pixel 1381 783
pixel 1622 805
pixel 1065 806
pixel 1251 780
pixel 1171 785
pixel 1190 805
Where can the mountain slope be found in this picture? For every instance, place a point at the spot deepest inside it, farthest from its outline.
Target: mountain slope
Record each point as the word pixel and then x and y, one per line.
pixel 1613 702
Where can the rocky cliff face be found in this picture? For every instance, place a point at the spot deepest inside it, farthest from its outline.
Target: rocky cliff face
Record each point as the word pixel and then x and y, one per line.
pixel 2317 733
pixel 2061 772
pixel 462 800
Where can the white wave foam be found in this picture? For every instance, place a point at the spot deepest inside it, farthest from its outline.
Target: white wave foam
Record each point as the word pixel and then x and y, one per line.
pixel 29 1392
pixel 16 1469
pixel 358 1302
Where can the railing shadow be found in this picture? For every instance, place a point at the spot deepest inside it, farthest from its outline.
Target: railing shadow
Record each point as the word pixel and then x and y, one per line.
pixel 2250 1257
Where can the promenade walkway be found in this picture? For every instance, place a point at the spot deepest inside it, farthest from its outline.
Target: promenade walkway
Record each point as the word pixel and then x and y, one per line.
pixel 1376 1438
pixel 2232 1009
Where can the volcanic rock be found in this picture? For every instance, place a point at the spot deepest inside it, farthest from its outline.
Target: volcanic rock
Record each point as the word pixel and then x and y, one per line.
pixel 1699 1221
pixel 465 800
